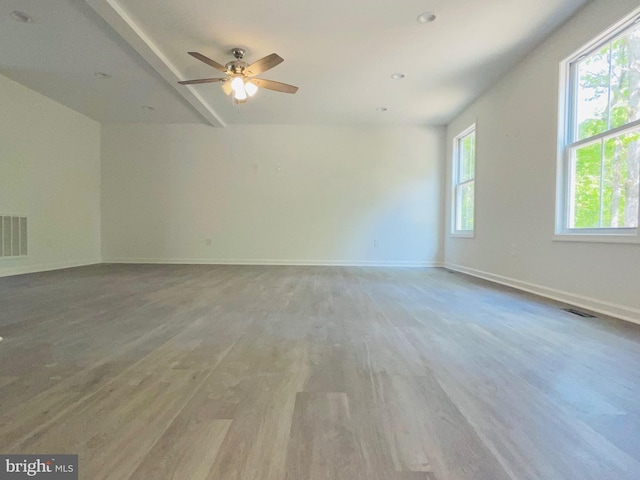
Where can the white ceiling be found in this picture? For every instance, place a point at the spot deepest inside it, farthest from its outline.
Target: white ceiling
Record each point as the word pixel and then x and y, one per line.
pixel 340 53
pixel 59 53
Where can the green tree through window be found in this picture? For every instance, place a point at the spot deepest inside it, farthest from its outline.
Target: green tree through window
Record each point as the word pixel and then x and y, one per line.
pixel 604 157
pixel 464 169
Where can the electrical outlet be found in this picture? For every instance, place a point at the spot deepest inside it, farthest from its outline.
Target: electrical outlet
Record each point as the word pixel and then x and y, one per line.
pixel 376 243
pixel 207 242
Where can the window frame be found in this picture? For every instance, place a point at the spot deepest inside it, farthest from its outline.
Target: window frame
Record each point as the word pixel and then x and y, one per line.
pixel 456 183
pixel 567 144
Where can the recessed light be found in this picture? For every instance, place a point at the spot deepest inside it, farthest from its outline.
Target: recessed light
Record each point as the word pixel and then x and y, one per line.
pixel 397 76
pixel 21 17
pixel 426 17
pixel 102 75
pixel 147 107
pixel 382 109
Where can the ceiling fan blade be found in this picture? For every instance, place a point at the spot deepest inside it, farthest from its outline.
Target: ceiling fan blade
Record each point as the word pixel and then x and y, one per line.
pixel 264 64
pixel 276 86
pixel 201 80
pixel 208 61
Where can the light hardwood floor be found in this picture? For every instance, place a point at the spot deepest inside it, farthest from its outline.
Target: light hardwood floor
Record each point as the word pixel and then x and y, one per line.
pixel 297 373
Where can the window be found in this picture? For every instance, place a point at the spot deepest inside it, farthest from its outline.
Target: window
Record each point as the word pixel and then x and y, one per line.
pixel 464 168
pixel 600 162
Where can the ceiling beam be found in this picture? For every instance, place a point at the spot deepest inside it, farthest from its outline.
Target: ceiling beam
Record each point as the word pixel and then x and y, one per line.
pixel 118 19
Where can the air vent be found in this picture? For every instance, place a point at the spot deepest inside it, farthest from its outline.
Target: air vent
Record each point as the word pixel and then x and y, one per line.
pixel 13 236
pixel 579 313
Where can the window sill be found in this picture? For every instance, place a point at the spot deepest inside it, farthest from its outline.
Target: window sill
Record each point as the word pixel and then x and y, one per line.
pixel 631 238
pixel 470 234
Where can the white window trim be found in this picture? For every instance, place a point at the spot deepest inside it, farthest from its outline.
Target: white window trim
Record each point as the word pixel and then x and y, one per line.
pixel 565 133
pixel 454 183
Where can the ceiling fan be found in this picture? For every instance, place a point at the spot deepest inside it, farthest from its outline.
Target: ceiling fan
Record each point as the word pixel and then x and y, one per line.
pixel 240 79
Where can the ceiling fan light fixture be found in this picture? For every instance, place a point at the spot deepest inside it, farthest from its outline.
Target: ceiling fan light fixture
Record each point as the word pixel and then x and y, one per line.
pixel 250 88
pixel 237 84
pixel 240 94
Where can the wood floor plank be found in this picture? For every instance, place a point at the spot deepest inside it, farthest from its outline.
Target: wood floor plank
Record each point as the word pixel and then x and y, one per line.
pixel 186 450
pixel 513 416
pixel 111 435
pixel 284 372
pixel 256 444
pixel 427 432
pixel 322 443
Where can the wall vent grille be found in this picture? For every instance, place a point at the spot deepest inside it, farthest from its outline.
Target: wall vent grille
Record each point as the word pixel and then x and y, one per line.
pixel 13 236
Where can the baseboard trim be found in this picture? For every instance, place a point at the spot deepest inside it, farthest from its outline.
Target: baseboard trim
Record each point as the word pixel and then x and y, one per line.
pixel 311 263
pixel 622 312
pixel 45 267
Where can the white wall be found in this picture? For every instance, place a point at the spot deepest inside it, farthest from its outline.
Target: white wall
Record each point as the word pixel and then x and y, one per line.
pixel 50 172
pixel 272 194
pixel 516 181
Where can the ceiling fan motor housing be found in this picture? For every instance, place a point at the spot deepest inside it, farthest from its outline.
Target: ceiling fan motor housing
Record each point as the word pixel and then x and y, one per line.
pixel 236 66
